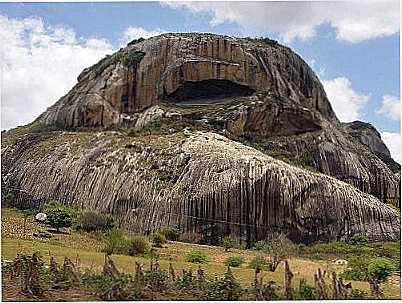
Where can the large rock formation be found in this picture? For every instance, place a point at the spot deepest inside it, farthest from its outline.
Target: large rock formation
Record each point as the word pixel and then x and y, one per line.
pixel 177 66
pixel 179 103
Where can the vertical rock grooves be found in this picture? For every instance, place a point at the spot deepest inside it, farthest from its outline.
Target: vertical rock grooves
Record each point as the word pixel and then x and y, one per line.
pixel 221 187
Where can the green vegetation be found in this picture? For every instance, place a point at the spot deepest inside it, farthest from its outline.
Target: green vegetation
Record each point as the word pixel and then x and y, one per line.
pixel 90 221
pixel 135 41
pixel 234 261
pixel 158 239
pixel 228 243
pixel 226 288
pixel 133 58
pixel 138 246
pixel 171 233
pixel 258 262
pixel 58 218
pixel 197 256
pixel 116 243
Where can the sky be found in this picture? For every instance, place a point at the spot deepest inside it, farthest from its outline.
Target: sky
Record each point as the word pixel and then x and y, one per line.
pixel 352 46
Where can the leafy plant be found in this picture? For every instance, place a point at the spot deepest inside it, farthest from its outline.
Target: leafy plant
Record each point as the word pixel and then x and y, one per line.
pixel 307 292
pixel 116 243
pixel 261 245
pixel 171 233
pixel 158 239
pixel 380 269
pixel 358 240
pixel 228 243
pixel 226 288
pixel 196 256
pixel 258 262
pixel 59 218
pixel 138 245
pixel 90 221
pixel 234 261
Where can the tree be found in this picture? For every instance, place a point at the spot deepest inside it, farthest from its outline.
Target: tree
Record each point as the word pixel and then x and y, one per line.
pixel 378 271
pixel 278 250
pixel 59 218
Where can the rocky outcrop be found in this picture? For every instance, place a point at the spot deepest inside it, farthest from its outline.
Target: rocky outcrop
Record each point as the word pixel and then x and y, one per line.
pixel 170 65
pixel 371 138
pixel 215 134
pixel 205 183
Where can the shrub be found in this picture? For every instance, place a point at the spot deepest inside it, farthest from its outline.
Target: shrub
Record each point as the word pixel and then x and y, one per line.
pixel 53 205
pixel 58 218
pixel 365 269
pixel 138 246
pixel 234 261
pixel 307 292
pixel 226 288
pixel 380 269
pixel 171 233
pixel 228 243
pixel 261 245
pixel 258 262
pixel 358 240
pixel 90 221
pixel 279 248
pixel 196 256
pixel 116 243
pixel 158 239
pixel 156 279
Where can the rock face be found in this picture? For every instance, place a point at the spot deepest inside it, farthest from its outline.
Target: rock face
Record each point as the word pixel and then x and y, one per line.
pixel 217 135
pixel 205 183
pixel 169 65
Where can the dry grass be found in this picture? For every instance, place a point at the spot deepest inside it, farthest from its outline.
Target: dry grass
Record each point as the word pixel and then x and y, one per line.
pixel 85 250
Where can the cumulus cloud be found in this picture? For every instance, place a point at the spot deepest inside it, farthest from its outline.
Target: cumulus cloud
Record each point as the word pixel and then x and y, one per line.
pixel 39 64
pixel 346 102
pixel 353 21
pixel 390 107
pixel 393 142
pixel 132 33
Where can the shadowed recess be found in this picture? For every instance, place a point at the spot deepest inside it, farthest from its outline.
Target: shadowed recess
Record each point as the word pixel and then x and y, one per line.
pixel 212 89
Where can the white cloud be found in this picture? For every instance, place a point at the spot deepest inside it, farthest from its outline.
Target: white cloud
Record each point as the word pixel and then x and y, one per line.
pixel 393 142
pixel 132 33
pixel 345 101
pixel 353 21
pixel 39 64
pixel 390 107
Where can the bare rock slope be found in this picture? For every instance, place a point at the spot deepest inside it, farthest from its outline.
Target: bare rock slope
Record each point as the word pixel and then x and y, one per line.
pixel 215 134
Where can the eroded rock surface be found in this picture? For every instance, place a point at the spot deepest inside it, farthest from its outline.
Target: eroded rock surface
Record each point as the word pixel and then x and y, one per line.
pixel 174 66
pixel 215 134
pixel 205 183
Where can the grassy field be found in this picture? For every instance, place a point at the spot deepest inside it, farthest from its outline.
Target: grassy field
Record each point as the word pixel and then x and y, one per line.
pixel 85 250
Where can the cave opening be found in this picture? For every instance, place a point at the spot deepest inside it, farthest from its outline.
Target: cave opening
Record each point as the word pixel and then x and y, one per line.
pixel 208 91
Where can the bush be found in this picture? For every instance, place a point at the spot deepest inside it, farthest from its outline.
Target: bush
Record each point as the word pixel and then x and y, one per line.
pixel 234 261
pixel 358 240
pixel 116 243
pixel 90 221
pixel 58 218
pixel 226 288
pixel 156 279
pixel 196 256
pixel 380 269
pixel 261 245
pixel 307 292
pixel 258 262
pixel 53 205
pixel 138 246
pixel 158 239
pixel 364 269
pixel 171 233
pixel 228 243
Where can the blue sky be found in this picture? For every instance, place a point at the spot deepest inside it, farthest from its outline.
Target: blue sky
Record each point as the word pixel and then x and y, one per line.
pixel 354 48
